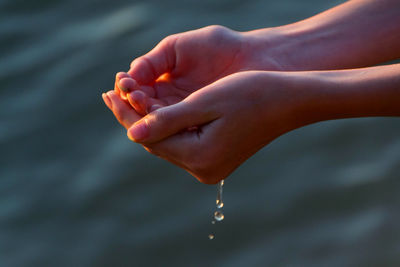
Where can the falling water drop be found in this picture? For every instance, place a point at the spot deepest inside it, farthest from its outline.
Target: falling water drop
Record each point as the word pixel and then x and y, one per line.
pixel 211 236
pixel 218 216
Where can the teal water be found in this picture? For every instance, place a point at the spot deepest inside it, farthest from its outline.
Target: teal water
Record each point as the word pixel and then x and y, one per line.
pixel 74 191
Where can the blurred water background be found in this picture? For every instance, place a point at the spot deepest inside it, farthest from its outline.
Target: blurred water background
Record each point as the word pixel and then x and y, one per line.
pixel 74 191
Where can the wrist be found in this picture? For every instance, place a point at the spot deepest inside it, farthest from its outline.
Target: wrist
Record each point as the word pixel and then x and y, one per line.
pixel 266 50
pixel 295 47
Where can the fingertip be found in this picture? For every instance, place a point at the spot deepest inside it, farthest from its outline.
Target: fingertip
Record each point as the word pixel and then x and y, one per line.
pixel 139 131
pixel 121 75
pixel 124 96
pixel 128 133
pixel 107 100
pixel 122 111
pixel 138 101
pixel 137 96
pixel 128 85
pixel 111 95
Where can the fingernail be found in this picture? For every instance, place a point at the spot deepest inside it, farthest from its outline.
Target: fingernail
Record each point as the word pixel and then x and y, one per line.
pixel 107 100
pixel 122 88
pixel 126 84
pixel 138 131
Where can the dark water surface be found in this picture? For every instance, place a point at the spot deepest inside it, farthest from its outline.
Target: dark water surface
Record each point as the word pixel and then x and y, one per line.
pixel 74 191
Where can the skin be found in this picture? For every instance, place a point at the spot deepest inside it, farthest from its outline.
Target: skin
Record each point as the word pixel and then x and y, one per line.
pixel 232 123
pixel 334 39
pixel 209 118
pixel 180 65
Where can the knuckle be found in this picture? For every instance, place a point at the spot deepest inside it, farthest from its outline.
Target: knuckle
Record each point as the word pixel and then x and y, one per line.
pixel 138 63
pixel 159 116
pixel 167 40
pixel 133 63
pixel 215 28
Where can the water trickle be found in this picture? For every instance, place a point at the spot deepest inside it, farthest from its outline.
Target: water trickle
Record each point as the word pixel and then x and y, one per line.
pixel 218 215
pixel 219 201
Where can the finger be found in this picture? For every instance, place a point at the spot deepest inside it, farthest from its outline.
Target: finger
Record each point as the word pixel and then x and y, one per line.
pixel 142 103
pixel 148 68
pixel 154 107
pixel 125 114
pixel 118 77
pixel 148 90
pixel 170 120
pixel 107 100
pixel 127 85
pixel 138 101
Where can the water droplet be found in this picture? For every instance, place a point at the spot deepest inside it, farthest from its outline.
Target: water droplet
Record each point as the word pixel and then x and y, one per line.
pixel 219 216
pixel 211 236
pixel 220 204
pixel 212 222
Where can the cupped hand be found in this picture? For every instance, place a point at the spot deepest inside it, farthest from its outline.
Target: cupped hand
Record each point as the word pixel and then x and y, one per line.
pixel 215 129
pixel 183 63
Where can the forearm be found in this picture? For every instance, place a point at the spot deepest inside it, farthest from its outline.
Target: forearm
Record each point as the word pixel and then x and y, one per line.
pixel 357 33
pixel 366 92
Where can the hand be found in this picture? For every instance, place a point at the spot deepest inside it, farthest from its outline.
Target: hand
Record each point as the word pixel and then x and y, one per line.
pixel 232 119
pixel 182 63
pixel 215 129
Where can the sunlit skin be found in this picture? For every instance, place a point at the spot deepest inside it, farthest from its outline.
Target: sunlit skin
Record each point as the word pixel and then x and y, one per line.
pixel 235 89
pixel 181 64
pixel 235 123
pixel 358 33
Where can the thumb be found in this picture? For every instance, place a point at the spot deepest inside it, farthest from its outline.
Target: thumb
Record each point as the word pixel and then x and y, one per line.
pixel 149 67
pixel 168 121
